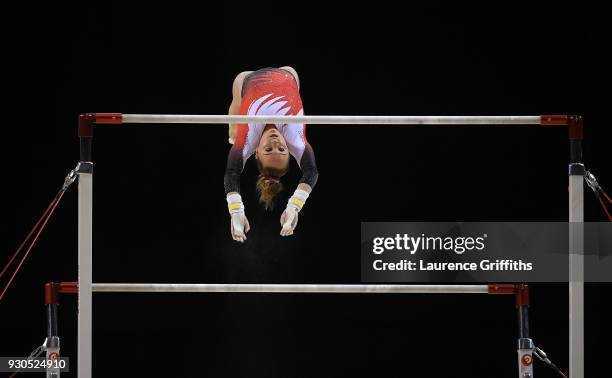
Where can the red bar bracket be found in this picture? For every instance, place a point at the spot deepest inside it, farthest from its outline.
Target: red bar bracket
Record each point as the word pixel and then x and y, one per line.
pixel 522 295
pixel 109 118
pixel 54 289
pixel 520 292
pixel 502 289
pixel 51 293
pixel 87 121
pixel 554 120
pixel 574 124
pixel 575 127
pixel 68 287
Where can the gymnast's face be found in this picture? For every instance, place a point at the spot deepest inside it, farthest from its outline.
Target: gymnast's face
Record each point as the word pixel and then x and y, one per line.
pixel 272 151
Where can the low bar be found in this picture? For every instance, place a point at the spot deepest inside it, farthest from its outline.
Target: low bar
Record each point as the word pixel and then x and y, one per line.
pixel 273 288
pixel 346 120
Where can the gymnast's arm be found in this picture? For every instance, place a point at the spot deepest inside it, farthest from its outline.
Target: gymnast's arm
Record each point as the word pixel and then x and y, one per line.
pixel 310 175
pixel 239 223
pixel 235 164
pixel 233 170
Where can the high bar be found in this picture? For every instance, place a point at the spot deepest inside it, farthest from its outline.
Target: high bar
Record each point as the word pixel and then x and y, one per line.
pixel 298 288
pixel 334 120
pixel 88 120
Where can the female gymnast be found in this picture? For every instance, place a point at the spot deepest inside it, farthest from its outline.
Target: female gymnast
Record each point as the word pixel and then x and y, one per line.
pixel 268 91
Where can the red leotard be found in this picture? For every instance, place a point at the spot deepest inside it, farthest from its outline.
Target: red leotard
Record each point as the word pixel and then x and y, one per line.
pixel 270 91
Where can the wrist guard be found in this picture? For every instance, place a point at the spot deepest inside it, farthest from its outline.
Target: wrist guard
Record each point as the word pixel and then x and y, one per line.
pixel 234 204
pixel 298 199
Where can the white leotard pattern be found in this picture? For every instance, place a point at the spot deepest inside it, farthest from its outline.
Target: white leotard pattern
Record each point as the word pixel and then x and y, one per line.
pixel 292 132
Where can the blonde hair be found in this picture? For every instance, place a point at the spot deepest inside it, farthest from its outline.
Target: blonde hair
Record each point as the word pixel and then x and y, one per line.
pixel 269 185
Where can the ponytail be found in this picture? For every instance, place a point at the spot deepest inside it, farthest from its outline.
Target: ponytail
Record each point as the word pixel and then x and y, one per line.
pixel 267 188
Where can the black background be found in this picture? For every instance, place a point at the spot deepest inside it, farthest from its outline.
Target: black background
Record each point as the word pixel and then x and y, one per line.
pixel 160 213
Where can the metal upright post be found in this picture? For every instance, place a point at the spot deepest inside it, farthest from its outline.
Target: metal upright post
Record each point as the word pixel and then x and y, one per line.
pixel 525 344
pixel 52 342
pixel 85 171
pixel 576 248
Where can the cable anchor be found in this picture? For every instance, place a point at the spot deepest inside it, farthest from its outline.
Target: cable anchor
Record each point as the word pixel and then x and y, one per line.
pixel 541 355
pixel 601 195
pixel 70 178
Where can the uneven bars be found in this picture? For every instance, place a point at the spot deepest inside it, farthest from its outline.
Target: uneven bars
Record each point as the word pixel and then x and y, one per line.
pixel 298 288
pixel 85 133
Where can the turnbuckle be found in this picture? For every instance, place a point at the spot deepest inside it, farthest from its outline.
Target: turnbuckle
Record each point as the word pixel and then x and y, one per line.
pixel 591 181
pixel 70 178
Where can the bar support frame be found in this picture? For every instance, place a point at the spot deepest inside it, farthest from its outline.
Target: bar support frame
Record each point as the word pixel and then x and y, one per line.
pixel 576 248
pixel 85 245
pixel 85 201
